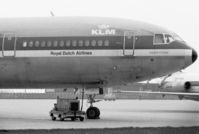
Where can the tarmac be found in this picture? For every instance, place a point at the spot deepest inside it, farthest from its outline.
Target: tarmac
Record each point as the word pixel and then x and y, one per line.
pixel 34 114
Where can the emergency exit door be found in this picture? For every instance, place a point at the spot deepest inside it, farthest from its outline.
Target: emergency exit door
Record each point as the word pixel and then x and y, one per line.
pixel 129 43
pixel 8 45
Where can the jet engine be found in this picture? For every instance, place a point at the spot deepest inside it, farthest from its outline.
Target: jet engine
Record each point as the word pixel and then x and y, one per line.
pixel 182 86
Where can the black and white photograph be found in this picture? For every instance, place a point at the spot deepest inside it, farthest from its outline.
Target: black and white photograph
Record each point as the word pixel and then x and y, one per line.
pixel 99 67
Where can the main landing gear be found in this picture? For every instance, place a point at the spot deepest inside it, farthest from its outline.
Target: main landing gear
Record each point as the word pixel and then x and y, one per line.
pixel 92 112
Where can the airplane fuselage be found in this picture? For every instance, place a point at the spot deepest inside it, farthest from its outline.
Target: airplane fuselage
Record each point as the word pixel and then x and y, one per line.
pixel 91 52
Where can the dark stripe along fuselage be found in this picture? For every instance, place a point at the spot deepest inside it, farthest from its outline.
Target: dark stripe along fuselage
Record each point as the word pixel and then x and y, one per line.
pixel 115 42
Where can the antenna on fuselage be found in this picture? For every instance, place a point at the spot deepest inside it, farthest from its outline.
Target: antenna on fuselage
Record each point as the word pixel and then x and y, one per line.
pixel 52 14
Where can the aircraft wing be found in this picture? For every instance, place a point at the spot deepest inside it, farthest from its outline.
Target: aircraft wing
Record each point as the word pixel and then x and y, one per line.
pixel 162 93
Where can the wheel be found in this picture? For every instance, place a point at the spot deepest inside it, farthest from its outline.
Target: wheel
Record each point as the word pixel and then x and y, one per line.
pixel 81 118
pixel 93 113
pixel 59 115
pixel 98 113
pixel 61 119
pixel 72 118
pixel 53 118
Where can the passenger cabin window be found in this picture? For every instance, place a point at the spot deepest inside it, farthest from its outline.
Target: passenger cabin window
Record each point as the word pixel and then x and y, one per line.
pixel 36 43
pixel 30 44
pixel 161 39
pixel 24 44
pixel 80 43
pixel 55 43
pixel 93 43
pixel 43 44
pixel 74 43
pixel 87 43
pixel 61 44
pixel 49 43
pixel 100 43
pixel 68 43
pixel 106 43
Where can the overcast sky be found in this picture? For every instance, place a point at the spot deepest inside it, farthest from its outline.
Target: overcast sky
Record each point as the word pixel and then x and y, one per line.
pixel 180 16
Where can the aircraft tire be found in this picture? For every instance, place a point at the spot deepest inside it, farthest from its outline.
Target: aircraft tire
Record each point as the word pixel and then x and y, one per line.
pixel 93 113
pixel 98 113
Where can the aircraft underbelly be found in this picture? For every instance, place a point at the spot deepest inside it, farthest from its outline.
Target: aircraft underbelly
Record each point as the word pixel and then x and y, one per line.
pixel 70 70
pixel 62 71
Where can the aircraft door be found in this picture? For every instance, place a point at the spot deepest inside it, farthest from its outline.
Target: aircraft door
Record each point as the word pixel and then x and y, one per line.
pixel 8 45
pixel 1 41
pixel 128 43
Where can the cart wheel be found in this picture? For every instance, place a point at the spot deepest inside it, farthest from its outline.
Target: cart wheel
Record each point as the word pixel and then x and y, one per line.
pixel 61 119
pixel 72 118
pixel 59 115
pixel 81 118
pixel 53 118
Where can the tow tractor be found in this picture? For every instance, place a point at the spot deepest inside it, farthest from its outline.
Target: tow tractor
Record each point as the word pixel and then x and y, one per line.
pixel 67 108
pixel 70 108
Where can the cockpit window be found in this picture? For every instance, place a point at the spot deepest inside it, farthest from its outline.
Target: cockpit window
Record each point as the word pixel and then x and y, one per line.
pixel 168 38
pixel 160 39
pixel 178 38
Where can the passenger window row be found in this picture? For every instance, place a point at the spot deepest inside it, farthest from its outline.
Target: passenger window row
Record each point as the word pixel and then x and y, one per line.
pixel 68 43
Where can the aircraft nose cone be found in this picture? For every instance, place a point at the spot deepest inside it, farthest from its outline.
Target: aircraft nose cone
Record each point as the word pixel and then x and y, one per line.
pixel 194 55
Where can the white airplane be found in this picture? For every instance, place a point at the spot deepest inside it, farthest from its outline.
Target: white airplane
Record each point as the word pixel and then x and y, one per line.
pixel 87 52
pixel 172 85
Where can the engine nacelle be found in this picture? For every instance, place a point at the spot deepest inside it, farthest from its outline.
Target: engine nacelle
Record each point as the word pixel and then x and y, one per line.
pixel 182 86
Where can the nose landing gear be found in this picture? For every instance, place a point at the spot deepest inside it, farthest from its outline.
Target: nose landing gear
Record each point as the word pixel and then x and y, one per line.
pixel 92 112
